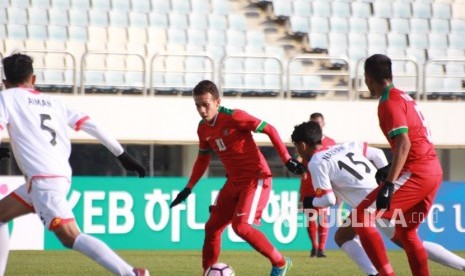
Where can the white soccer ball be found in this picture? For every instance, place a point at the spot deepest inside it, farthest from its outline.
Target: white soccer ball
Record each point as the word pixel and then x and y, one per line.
pixel 220 269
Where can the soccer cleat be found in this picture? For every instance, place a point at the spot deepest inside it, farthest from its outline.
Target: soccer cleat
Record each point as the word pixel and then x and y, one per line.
pixel 320 254
pixel 281 271
pixel 313 253
pixel 141 272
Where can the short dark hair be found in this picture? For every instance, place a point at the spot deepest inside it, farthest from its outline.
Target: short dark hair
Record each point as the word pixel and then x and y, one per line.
pixel 204 87
pixel 308 132
pixel 378 66
pixel 18 68
pixel 315 115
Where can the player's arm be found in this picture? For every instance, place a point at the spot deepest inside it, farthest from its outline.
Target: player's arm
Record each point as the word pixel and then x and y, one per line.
pixel 399 156
pixel 324 193
pixel 376 156
pixel 128 162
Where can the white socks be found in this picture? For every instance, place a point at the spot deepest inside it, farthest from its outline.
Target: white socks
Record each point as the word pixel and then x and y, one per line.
pixel 102 254
pixel 4 247
pixel 355 251
pixel 439 254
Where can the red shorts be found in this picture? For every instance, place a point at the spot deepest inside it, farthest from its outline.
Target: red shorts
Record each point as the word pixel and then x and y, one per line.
pixel 243 201
pixel 413 196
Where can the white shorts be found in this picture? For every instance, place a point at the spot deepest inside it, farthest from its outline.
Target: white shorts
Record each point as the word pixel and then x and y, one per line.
pixel 48 198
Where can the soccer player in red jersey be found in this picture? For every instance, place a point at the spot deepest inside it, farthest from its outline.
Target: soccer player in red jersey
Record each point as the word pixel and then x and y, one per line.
pixel 317 225
pixel 414 176
pixel 228 133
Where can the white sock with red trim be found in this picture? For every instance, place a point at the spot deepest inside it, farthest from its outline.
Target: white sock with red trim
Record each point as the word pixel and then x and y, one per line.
pixel 355 251
pixel 4 247
pixel 439 254
pixel 102 254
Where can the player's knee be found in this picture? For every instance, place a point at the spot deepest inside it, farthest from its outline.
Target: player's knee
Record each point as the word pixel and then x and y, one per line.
pixel 241 228
pixel 211 229
pixel 340 237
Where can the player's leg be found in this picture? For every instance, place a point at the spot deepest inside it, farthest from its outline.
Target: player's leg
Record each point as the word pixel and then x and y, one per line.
pixel 11 206
pixel 363 223
pixel 49 199
pixel 220 216
pixel 312 228
pixel 413 199
pixel 252 200
pixel 436 252
pixel 322 231
pixel 346 238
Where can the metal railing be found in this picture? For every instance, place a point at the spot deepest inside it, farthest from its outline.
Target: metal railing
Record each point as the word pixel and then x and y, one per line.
pixel 448 75
pixel 323 73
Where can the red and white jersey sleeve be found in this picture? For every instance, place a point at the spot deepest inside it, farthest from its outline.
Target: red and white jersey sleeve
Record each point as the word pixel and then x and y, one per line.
pixel 343 170
pixel 38 127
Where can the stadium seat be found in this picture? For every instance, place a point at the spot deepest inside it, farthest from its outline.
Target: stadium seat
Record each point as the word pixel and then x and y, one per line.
pixel 458 10
pixel 340 9
pixel 178 21
pixel 78 18
pixel 59 33
pixel 97 34
pixel 21 4
pixel 339 25
pixel 418 40
pixel 319 24
pixel 419 25
pixel 98 18
pixel 255 39
pixel 16 31
pixel 82 5
pixel 77 33
pixel 440 26
pixel 180 6
pixel 58 17
pixel 421 10
pixel 299 25
pixel 137 35
pixel 455 53
pixel 117 36
pixel 441 10
pixel 140 6
pixel 33 44
pixel 200 7
pixel 196 37
pixel 61 4
pixel 17 16
pixel 198 21
pixel 401 9
pixel 43 4
pixel 217 22
pixel 236 38
pixel 101 5
pixel 37 32
pixel 3 17
pixel 418 54
pixel 301 8
pixel 177 36
pixel 282 8
pixel 36 16
pixel 160 6
pixel 376 42
pixel 121 5
pixel 216 37
pixel 158 20
pixel 378 25
pixel 457 26
pixel 436 53
pixel 360 9
pixel 318 40
pixel 382 9
pixel 321 8
pixel 237 22
pixel 437 41
pixel 220 7
pixel 396 40
pixel 399 25
pixel 138 19
pixel 118 19
pixel 358 25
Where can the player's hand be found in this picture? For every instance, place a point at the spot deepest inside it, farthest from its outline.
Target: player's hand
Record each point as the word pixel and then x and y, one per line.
pixel 382 173
pixel 4 153
pixel 383 200
pixel 295 166
pixel 131 164
pixel 181 197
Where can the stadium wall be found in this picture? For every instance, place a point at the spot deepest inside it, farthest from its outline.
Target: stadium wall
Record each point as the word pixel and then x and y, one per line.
pixel 173 120
pixel 134 213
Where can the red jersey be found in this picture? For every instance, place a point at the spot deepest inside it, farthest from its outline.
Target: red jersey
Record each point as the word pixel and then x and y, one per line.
pixel 398 113
pixel 306 184
pixel 230 137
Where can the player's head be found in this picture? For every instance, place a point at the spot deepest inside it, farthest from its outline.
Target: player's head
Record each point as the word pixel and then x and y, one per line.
pixel 207 99
pixel 18 71
pixel 306 138
pixel 378 73
pixel 318 118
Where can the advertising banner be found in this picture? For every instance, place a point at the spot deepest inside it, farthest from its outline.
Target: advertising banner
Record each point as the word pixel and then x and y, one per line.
pixel 134 213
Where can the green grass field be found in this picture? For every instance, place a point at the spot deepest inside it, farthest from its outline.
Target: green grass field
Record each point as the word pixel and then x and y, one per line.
pixel 188 263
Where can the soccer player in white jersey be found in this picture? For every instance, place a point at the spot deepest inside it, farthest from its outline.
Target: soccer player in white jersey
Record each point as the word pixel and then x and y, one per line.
pixel 37 125
pixel 346 171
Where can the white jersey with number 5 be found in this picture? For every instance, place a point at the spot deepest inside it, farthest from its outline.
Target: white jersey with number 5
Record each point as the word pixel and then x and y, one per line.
pixel 38 128
pixel 344 171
